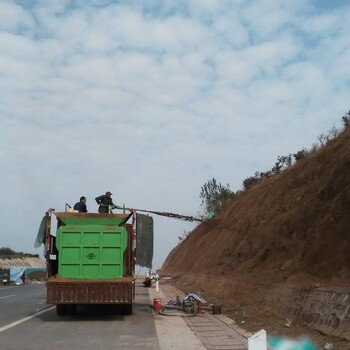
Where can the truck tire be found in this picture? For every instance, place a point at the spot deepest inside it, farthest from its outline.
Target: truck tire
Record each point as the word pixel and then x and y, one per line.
pixel 71 309
pixel 66 309
pixel 126 309
pixel 61 309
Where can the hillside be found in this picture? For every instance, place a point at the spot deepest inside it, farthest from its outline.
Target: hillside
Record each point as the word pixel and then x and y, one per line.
pixel 289 231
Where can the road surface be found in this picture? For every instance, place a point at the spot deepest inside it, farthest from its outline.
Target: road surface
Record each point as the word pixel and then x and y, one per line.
pixel 26 322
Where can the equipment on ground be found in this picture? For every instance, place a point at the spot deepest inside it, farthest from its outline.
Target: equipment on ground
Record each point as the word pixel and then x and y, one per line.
pixel 191 305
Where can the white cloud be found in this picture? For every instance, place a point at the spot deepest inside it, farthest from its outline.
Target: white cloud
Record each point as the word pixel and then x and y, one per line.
pixel 14 17
pixel 152 100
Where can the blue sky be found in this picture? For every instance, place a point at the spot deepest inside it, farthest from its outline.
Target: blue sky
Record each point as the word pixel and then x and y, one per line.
pixel 150 100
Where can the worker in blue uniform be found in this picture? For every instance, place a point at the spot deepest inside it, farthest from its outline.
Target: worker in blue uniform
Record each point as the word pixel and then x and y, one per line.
pixel 81 205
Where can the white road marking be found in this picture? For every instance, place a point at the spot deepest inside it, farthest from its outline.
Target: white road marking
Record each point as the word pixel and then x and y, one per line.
pixel 16 323
pixel 7 296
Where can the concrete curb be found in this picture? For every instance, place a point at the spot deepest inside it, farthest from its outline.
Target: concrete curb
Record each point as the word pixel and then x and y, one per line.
pixel 173 332
pixel 233 325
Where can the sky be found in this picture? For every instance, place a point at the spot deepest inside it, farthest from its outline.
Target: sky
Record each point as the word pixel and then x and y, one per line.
pixel 152 99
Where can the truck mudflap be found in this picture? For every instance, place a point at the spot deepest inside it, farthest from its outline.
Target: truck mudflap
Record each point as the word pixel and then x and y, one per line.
pixel 74 291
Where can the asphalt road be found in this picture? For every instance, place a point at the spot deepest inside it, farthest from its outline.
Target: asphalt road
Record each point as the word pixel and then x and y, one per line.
pixel 26 322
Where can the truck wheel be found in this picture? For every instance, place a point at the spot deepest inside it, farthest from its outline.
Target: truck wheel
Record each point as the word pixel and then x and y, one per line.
pixel 126 309
pixel 61 309
pixel 71 309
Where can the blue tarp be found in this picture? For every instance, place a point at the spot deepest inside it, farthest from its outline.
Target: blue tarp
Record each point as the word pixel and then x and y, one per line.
pixel 16 274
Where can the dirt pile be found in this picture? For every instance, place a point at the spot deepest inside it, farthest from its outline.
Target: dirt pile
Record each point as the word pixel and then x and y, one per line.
pixel 289 230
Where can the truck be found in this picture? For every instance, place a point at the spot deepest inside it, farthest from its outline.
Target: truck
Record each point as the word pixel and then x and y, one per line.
pixel 91 259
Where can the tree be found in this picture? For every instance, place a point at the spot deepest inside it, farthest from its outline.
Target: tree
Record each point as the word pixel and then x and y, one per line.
pixel 214 196
pixel 300 154
pixel 7 251
pixel 250 182
pixel 346 119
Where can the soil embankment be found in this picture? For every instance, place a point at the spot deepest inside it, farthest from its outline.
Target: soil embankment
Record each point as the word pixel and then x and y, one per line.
pixel 282 248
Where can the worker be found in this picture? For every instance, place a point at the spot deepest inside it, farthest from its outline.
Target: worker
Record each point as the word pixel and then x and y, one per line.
pixel 81 205
pixel 105 202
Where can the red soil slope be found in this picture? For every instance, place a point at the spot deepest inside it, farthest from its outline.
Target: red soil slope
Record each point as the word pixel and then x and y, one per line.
pixel 295 223
pixel 292 229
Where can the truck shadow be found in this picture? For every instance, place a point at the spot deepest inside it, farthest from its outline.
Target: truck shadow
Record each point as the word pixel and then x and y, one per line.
pixel 96 313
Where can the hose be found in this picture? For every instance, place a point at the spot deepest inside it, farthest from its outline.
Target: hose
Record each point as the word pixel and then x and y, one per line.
pixel 161 312
pixel 183 314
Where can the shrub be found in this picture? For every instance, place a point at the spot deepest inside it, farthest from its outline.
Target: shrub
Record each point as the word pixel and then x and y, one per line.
pixel 300 154
pixel 346 119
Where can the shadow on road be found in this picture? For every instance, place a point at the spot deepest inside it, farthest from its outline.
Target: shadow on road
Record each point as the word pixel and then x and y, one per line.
pixel 96 313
